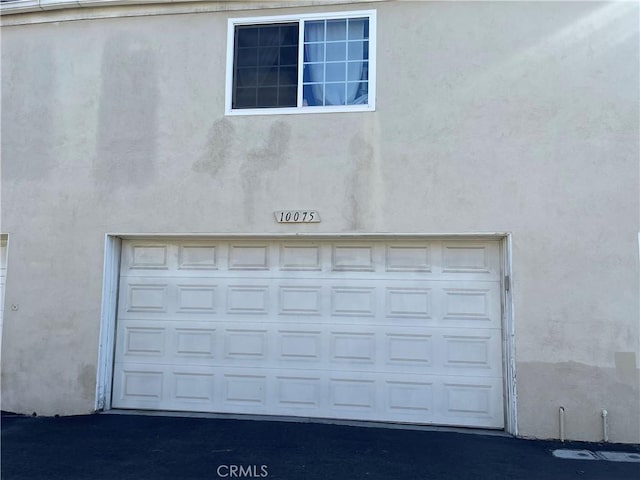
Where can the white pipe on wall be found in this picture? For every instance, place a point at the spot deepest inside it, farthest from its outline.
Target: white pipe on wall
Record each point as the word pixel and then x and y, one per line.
pixel 605 428
pixel 561 420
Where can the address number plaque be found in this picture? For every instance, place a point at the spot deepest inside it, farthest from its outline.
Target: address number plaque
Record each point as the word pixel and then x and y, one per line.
pixel 297 216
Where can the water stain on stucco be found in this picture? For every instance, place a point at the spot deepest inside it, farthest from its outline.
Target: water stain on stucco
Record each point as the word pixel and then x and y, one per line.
pixel 87 381
pixel 28 121
pixel 584 391
pixel 272 154
pixel 126 145
pixel 626 367
pixel 217 151
pixel 269 157
pixel 359 191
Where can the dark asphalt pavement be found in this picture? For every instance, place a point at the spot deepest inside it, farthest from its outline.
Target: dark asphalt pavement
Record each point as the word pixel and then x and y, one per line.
pixel 144 447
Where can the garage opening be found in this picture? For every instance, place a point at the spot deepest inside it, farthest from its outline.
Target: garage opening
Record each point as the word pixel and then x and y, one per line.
pixel 394 330
pixel 3 277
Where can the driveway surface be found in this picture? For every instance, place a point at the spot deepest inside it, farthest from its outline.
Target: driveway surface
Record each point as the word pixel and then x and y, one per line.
pixel 144 447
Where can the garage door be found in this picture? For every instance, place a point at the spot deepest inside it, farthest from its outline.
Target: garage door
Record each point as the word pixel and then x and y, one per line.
pixel 385 330
pixel 3 276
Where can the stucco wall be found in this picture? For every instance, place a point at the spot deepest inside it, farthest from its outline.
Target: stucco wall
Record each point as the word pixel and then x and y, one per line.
pixel 505 116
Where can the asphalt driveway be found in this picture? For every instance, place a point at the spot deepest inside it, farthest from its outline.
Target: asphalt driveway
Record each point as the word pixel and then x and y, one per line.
pixel 144 447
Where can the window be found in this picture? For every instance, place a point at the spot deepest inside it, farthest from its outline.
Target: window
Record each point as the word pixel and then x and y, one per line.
pixel 301 64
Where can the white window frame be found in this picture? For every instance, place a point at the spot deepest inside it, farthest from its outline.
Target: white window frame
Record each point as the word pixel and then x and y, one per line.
pixel 301 18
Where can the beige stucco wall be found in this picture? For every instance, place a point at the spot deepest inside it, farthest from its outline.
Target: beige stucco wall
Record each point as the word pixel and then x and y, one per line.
pixel 506 116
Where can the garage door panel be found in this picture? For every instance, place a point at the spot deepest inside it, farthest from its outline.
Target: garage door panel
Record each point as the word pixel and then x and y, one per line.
pixel 408 399
pixel 300 346
pixel 471 354
pixel 451 259
pixel 383 330
pixel 140 256
pixel 354 258
pixel 471 401
pixel 298 391
pixel 469 305
pixel 194 343
pixel 294 257
pixel 167 342
pixel 277 345
pixel 192 387
pixel 301 300
pixel 244 390
pixel 408 258
pixel 409 302
pixel 355 395
pixel 408 350
pixel 470 258
pixel 165 387
pixel 198 256
pixel 138 385
pixel 145 297
pixel 248 299
pixel 251 256
pixel 197 298
pixel 353 301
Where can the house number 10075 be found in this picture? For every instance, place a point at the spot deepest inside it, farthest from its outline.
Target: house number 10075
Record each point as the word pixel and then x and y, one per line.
pixel 297 216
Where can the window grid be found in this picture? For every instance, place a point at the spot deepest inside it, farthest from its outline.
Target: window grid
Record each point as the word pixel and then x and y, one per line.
pixel 347 40
pixel 257 84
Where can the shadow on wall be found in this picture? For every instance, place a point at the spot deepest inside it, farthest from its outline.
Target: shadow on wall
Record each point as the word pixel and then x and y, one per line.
pixel 127 123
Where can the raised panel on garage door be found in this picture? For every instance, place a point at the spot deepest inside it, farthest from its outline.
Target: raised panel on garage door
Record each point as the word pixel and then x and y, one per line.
pixel 384 330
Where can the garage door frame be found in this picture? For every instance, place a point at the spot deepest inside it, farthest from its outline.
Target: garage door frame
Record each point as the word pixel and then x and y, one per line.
pixel 112 253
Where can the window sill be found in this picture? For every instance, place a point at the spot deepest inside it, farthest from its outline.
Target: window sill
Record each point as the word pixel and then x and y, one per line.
pixel 300 110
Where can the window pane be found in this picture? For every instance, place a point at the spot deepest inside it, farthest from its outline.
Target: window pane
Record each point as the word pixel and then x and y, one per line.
pixel 268 76
pixel 314 31
pixel 357 93
pixel 289 35
pixel 314 52
pixel 288 55
pixel 336 51
pixel 358 51
pixel 336 30
pixel 266 56
pixel 247 57
pixel 268 97
pixel 314 72
pixel 358 28
pixel 247 77
pixel 288 76
pixel 334 93
pixel 357 71
pixel 269 35
pixel 313 94
pixel 247 36
pixel 336 72
pixel 244 98
pixel 288 96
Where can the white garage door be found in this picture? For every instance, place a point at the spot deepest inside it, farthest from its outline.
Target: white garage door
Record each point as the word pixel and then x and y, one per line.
pixel 3 276
pixel 385 330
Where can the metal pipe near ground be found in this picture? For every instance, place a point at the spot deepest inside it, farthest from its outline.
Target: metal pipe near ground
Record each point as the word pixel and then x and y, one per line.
pixel 605 427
